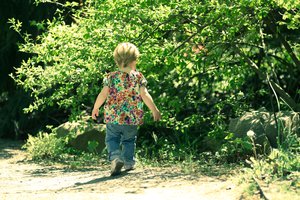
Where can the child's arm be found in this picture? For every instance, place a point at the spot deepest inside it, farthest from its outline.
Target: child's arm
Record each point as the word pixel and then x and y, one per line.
pixel 99 101
pixel 150 104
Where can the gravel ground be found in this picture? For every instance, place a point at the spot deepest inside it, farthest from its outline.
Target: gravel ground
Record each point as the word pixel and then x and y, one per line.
pixel 20 179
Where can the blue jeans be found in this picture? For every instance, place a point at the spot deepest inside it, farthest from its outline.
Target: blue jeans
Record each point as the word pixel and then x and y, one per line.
pixel 120 142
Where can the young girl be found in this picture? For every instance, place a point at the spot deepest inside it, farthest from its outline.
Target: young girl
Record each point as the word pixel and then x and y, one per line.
pixel 124 91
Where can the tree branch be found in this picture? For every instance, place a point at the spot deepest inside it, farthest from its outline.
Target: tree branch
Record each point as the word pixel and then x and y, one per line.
pixel 185 41
pixel 284 42
pixel 193 35
pixel 285 96
pixel 156 28
pixel 289 50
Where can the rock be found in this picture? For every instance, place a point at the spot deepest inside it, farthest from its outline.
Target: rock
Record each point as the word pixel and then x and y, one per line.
pixel 263 124
pixel 80 133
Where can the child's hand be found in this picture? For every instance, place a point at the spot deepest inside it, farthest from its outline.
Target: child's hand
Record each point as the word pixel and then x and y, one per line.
pixel 156 115
pixel 95 113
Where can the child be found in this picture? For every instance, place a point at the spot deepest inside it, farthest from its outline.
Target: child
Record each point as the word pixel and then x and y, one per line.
pixel 124 91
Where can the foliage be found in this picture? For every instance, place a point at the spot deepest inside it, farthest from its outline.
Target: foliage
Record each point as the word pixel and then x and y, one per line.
pixel 26 18
pixel 281 162
pixel 279 169
pixel 235 150
pixel 71 59
pixel 49 148
pixel 204 61
pixel 164 151
pixel 278 164
pixel 45 146
pixel 92 145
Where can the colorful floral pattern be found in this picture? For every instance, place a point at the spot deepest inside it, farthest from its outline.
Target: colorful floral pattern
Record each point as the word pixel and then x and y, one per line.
pixel 124 103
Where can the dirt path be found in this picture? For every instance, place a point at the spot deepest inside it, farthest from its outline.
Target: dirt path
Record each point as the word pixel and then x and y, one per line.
pixel 23 180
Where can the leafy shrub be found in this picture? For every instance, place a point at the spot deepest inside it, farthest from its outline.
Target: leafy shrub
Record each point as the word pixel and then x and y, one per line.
pixel 48 148
pixel 183 49
pixel 234 150
pixel 280 162
pixel 45 146
pixel 193 61
pixel 92 145
pixel 162 150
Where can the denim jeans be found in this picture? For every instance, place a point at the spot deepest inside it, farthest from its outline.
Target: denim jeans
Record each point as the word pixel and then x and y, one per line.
pixel 120 142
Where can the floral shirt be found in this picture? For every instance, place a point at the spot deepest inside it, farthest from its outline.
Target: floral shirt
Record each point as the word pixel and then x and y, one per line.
pixel 124 103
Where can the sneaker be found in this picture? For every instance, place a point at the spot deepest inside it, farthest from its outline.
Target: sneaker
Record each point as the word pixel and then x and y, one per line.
pixel 129 167
pixel 116 166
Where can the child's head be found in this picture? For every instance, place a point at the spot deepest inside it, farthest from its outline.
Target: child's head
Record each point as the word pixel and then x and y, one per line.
pixel 125 53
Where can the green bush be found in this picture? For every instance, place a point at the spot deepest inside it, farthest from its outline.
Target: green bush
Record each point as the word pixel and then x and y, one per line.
pixel 204 61
pixel 281 162
pixel 183 46
pixel 164 150
pixel 236 150
pixel 45 146
pixel 48 148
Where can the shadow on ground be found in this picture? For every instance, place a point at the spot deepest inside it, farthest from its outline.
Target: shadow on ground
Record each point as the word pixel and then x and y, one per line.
pixel 7 148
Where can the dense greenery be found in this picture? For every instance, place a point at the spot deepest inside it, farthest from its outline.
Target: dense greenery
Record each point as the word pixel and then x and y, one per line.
pixel 205 61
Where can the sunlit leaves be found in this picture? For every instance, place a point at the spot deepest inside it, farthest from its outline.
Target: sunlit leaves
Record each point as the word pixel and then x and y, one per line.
pixel 16 25
pixel 187 53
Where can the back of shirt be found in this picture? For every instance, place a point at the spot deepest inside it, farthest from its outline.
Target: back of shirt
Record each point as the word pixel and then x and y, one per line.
pixel 124 103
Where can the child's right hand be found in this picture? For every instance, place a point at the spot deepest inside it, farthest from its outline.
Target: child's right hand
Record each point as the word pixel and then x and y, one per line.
pixel 95 113
pixel 156 115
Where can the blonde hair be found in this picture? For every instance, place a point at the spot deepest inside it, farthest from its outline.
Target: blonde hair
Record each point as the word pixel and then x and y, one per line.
pixel 125 53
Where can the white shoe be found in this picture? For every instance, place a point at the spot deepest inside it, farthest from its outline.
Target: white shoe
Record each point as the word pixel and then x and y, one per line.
pixel 116 166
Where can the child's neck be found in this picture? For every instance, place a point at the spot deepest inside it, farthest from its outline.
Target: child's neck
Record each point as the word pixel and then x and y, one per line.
pixel 125 69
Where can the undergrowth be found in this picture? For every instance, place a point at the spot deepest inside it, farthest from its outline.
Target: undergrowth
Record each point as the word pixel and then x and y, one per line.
pixel 280 164
pixel 49 149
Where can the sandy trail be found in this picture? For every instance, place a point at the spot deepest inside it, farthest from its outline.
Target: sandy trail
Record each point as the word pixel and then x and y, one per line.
pixel 23 180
